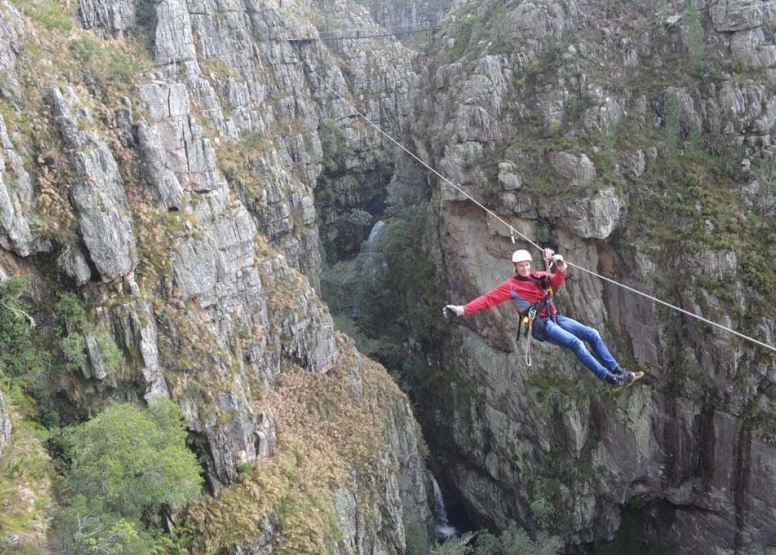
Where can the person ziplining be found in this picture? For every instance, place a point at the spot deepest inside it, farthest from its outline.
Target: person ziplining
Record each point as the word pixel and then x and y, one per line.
pixel 531 294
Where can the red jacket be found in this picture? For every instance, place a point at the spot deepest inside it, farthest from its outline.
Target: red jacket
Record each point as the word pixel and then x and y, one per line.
pixel 521 291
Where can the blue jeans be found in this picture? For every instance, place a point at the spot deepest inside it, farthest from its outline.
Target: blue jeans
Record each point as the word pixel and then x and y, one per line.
pixel 570 334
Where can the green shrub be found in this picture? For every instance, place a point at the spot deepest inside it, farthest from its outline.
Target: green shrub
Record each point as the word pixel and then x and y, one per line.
pixel 84 527
pixel 132 459
pixel 73 341
pixel 18 354
pixel 334 146
pixel 47 13
pixel 25 470
pixel 517 543
pixel 455 546
pixel 112 66
pixel 74 350
pixel 111 354
pixel 70 309
pixel 696 37
pixel 85 48
pixel 509 543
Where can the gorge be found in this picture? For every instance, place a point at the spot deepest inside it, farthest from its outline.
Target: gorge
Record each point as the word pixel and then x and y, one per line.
pixel 187 191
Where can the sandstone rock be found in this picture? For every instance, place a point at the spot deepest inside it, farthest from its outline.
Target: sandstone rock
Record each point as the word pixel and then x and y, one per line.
pixel 138 325
pixel 104 217
pixel 580 170
pixel 721 265
pixel 458 165
pixel 94 365
pixel 98 192
pixel 73 264
pixel 576 431
pixel 115 17
pixel 164 179
pixel 16 198
pixel 174 42
pixel 736 15
pixel 595 215
pixel 401 17
pixel 9 38
pixel 637 163
pixel 751 46
pixel 507 177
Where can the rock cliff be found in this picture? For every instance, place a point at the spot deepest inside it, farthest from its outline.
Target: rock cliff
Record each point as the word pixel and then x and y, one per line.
pixel 159 159
pixel 636 140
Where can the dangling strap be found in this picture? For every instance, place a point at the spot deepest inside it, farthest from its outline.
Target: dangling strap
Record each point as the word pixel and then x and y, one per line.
pixel 528 343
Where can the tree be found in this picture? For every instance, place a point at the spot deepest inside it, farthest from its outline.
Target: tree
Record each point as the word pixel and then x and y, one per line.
pixel 133 459
pixel 74 334
pixel 84 528
pixel 673 122
pixel 509 543
pixel 455 546
pixel 696 39
pixel 516 543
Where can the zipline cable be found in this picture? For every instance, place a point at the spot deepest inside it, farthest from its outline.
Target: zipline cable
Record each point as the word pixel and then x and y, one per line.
pixel 512 230
pixel 701 318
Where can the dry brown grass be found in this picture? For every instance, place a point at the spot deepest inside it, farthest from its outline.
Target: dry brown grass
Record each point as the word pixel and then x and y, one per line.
pixel 327 438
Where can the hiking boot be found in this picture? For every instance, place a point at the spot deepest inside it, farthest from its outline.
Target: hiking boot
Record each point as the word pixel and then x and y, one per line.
pixel 626 378
pixel 623 378
pixel 617 380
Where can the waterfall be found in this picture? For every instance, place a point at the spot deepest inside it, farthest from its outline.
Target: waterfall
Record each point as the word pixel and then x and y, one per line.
pixel 373 246
pixel 370 261
pixel 442 528
pixel 376 232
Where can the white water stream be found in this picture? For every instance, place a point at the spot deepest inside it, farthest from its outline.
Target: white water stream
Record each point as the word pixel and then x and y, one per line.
pixel 442 528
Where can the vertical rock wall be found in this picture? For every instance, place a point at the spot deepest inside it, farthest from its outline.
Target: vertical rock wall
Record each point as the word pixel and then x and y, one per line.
pixel 565 119
pixel 176 151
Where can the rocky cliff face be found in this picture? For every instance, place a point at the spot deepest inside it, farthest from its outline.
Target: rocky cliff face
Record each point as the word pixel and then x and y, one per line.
pixel 637 141
pixel 406 18
pixel 161 158
pixel 357 162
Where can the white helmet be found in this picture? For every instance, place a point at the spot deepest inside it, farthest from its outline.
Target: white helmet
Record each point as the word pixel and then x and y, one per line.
pixel 521 256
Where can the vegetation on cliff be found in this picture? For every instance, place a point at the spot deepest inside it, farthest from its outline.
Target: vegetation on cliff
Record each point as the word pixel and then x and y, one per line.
pixel 332 439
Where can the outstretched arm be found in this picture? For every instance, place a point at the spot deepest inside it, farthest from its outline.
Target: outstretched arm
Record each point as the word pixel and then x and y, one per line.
pixel 495 296
pixel 491 298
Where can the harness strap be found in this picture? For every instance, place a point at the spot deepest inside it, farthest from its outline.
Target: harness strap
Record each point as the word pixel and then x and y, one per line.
pixel 527 318
pixel 547 301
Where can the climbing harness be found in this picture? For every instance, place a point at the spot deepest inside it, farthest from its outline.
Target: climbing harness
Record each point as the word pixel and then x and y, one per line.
pixel 534 311
pixel 545 304
pixel 512 230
